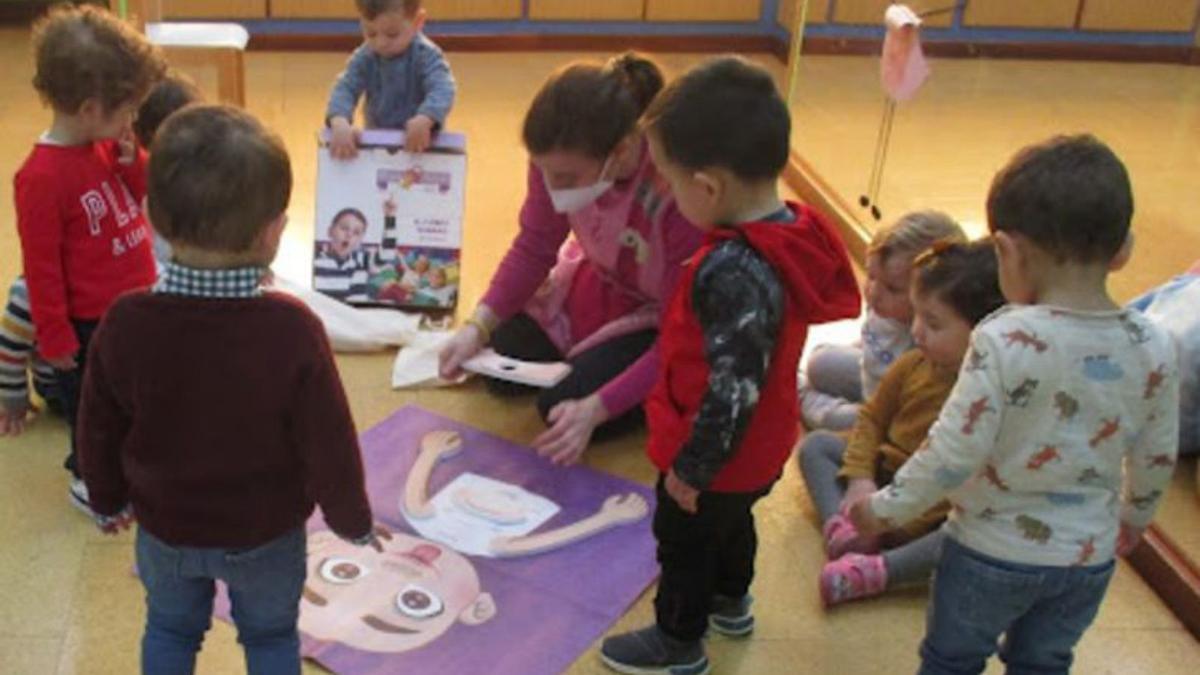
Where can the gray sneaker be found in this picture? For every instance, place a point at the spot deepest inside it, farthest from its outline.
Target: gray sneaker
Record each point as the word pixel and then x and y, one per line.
pixel 651 652
pixel 732 616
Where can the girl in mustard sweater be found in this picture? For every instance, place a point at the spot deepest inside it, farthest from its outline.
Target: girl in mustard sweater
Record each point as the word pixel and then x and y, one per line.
pixel 954 287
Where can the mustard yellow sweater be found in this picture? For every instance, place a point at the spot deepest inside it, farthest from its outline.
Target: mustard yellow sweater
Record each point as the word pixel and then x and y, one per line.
pixel 893 424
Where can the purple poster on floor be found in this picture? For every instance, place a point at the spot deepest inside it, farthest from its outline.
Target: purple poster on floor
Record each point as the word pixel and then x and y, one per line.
pixel 498 562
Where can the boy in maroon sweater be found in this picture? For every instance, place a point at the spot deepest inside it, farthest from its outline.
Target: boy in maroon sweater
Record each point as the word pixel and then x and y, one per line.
pixel 78 195
pixel 723 417
pixel 214 410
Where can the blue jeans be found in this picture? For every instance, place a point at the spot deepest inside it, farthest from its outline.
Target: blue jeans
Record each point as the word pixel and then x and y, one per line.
pixel 1042 611
pixel 264 588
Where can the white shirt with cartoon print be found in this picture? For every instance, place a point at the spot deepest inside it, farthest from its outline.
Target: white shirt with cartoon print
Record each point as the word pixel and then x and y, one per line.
pixel 1062 424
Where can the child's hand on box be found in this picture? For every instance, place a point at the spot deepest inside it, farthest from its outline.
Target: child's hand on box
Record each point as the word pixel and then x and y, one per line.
pixel 418 133
pixel 343 139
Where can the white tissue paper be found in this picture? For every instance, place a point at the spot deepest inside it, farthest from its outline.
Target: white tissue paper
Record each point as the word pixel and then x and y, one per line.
pixel 417 362
pixel 355 329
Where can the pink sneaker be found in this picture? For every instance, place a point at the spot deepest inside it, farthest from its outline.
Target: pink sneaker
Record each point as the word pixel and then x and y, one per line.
pixel 841 537
pixel 851 577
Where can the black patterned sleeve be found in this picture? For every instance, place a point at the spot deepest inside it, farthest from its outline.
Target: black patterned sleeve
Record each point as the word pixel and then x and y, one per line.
pixel 738 301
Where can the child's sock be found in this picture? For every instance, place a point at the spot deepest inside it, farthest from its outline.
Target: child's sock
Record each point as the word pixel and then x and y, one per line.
pixel 851 577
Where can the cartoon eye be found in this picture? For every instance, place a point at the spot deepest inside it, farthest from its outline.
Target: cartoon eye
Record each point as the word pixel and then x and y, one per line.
pixel 418 603
pixel 342 571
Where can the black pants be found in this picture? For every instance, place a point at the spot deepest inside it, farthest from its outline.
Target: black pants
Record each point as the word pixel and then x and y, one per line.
pixel 70 386
pixel 522 338
pixel 702 555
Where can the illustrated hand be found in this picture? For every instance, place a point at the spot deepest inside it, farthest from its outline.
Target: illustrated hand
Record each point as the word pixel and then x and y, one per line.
pixel 439 444
pixel 685 495
pixel 1128 539
pixel 571 427
pixel 626 508
pixel 418 133
pixel 389 206
pixel 343 140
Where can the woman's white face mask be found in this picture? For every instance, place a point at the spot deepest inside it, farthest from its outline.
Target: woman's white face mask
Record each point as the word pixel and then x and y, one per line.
pixel 570 200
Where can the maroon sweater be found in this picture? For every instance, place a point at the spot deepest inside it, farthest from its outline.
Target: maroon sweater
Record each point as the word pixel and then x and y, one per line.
pixel 222 421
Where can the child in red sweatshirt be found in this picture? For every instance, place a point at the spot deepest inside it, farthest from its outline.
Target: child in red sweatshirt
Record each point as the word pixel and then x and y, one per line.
pixel 723 417
pixel 84 239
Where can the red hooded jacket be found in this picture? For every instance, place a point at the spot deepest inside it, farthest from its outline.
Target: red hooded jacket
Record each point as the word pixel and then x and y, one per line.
pixel 811 264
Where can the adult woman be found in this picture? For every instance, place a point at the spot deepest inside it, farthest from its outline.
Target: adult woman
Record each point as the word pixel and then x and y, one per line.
pixel 594 301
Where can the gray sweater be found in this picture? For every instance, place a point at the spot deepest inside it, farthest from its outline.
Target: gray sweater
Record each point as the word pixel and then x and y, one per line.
pixel 417 82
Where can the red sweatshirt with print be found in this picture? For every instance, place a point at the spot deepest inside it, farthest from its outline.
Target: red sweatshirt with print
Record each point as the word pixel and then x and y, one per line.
pixel 84 239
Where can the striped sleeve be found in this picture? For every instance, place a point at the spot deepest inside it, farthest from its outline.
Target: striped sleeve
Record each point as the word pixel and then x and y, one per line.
pixel 16 347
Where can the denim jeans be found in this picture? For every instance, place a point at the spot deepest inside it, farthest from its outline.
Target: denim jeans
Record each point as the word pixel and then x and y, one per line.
pixel 264 589
pixel 1042 612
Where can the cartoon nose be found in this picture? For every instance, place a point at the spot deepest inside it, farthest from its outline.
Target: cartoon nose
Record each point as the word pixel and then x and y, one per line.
pixel 426 553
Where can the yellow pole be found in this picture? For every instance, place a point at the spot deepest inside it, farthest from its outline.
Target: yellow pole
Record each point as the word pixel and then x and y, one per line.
pixel 798 26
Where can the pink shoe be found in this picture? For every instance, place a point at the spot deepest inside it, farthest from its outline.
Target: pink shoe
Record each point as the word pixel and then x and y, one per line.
pixel 841 537
pixel 851 577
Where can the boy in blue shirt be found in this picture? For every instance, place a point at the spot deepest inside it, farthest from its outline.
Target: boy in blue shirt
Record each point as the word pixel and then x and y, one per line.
pixel 404 75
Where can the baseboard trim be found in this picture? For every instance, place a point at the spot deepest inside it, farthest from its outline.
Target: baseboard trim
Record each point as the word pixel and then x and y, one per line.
pixel 1172 574
pixel 536 42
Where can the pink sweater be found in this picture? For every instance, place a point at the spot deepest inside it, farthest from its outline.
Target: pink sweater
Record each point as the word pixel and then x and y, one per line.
pixel 633 242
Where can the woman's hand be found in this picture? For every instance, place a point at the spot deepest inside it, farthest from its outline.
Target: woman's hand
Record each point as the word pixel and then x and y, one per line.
pixel 571 427
pixel 466 342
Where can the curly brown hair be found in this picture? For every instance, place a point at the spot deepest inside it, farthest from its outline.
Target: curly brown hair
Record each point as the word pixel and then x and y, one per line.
pixel 369 9
pixel 86 52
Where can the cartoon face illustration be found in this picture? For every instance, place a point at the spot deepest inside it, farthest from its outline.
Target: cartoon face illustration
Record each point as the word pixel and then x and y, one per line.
pixel 392 601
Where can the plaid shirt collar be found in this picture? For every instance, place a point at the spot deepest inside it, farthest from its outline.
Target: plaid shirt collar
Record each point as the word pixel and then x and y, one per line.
pixel 238 282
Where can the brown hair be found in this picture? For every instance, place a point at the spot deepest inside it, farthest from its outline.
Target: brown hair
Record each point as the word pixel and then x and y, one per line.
pixel 1069 195
pixel 725 112
pixel 370 9
pixel 86 52
pixel 588 107
pixel 174 92
pixel 217 178
pixel 914 232
pixel 963 275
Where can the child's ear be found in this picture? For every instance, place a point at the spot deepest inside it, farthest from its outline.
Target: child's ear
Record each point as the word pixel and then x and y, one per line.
pixel 419 20
pixel 1123 255
pixel 711 185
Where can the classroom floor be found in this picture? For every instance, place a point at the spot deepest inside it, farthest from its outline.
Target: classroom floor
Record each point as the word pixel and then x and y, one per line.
pixel 69 605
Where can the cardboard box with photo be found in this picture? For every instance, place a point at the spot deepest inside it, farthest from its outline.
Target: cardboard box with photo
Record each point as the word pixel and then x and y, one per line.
pixel 389 223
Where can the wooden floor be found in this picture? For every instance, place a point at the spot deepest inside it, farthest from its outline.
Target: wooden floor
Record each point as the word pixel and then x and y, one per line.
pixel 69 604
